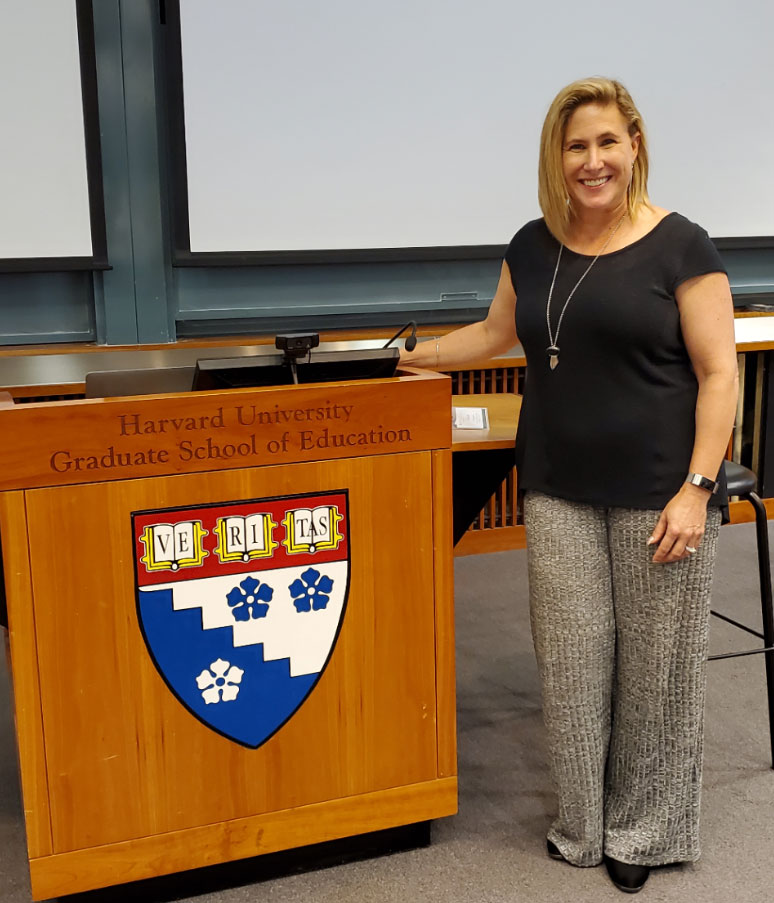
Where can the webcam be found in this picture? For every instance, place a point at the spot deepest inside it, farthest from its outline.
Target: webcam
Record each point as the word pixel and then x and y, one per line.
pixel 297 344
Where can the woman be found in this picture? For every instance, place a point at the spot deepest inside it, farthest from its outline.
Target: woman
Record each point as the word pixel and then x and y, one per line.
pixel 626 319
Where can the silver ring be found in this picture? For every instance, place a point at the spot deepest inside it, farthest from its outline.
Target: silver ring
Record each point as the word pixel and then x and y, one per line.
pixel 690 550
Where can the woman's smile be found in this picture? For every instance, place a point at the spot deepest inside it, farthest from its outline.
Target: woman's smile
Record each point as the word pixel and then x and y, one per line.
pixel 595 183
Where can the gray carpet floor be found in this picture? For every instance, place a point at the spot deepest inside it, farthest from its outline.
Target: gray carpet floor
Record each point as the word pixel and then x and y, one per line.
pixel 493 850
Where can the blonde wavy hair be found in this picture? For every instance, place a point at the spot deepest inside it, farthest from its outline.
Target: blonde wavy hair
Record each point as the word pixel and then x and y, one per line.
pixel 552 190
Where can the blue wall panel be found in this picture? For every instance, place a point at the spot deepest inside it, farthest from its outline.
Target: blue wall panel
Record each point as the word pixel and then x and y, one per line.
pixel 142 298
pixel 46 307
pixel 208 299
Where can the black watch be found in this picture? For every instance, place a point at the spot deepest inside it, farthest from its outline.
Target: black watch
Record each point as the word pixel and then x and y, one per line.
pixel 702 482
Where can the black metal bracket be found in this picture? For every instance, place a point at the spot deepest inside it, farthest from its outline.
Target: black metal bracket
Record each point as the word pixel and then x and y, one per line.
pixel 767 607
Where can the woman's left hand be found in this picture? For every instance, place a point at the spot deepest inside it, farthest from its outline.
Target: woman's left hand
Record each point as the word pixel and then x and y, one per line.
pixel 681 525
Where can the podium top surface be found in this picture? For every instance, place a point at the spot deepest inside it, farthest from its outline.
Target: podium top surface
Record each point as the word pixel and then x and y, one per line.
pixel 104 439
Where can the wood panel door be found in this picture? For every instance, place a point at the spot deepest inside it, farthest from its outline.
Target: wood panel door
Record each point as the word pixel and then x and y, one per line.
pixel 126 760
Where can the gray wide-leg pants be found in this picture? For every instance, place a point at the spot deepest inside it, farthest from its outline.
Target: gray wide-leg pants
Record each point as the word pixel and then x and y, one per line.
pixel 621 646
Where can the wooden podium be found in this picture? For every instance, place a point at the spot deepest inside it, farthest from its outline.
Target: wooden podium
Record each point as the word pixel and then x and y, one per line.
pixel 123 778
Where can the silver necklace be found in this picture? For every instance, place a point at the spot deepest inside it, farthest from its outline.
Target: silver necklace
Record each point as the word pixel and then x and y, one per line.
pixel 553 338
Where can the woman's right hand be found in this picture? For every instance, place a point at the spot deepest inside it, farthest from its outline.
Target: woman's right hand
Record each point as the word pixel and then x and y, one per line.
pixel 478 341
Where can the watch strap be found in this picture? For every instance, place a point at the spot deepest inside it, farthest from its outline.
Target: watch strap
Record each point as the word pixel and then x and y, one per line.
pixel 703 482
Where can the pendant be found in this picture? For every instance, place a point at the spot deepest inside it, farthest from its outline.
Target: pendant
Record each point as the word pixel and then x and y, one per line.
pixel 553 356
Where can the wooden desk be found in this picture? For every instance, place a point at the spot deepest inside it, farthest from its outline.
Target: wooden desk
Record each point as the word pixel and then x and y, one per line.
pixel 504 413
pixel 482 459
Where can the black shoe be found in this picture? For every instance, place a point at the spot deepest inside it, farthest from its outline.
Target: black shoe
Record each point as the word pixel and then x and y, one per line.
pixel 627 877
pixel 553 850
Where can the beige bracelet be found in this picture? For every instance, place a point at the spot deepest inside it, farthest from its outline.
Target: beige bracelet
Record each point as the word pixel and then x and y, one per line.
pixel 437 353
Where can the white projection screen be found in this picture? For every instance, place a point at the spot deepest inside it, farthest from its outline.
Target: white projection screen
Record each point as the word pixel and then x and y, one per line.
pixel 44 211
pixel 415 123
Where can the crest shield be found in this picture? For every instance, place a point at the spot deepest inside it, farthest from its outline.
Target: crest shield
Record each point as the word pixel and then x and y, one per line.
pixel 241 603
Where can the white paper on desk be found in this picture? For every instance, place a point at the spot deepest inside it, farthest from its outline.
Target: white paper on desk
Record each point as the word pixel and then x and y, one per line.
pixel 470 418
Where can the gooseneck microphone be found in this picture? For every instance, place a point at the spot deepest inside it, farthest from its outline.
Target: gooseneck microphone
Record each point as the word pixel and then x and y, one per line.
pixel 411 341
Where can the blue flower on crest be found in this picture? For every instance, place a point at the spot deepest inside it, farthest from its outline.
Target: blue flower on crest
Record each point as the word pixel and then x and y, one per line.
pixel 248 600
pixel 311 591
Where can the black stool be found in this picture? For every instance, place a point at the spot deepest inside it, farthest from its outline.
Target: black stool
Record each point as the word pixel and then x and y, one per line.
pixel 742 482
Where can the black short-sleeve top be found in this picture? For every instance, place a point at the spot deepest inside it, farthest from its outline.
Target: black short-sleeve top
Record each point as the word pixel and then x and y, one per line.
pixel 613 424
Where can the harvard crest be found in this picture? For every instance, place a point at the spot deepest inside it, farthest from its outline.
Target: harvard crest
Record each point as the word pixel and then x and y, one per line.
pixel 241 604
